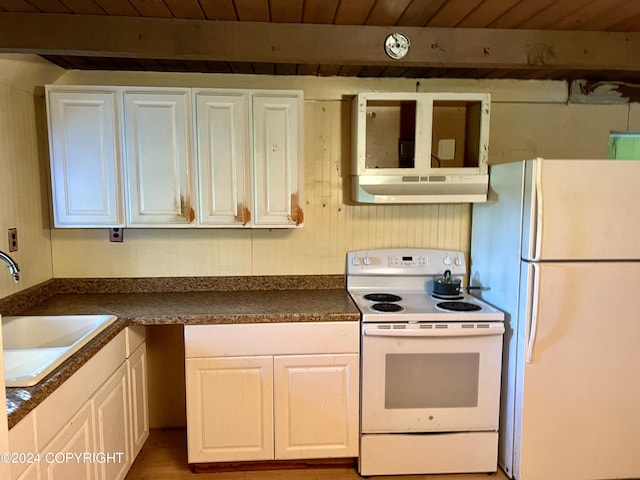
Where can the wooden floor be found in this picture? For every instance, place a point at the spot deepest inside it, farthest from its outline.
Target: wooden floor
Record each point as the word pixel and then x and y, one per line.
pixel 164 457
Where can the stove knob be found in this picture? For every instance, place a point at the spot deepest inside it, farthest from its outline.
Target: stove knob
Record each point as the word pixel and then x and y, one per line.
pixel 458 261
pixel 355 261
pixel 367 261
pixel 447 260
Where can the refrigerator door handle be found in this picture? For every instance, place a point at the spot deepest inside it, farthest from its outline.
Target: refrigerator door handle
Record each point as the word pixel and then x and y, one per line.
pixel 538 209
pixel 532 317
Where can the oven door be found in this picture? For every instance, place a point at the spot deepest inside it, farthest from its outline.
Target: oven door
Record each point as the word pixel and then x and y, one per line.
pixel 439 377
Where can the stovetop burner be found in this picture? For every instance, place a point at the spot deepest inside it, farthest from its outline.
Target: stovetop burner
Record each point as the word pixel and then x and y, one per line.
pixel 382 297
pixel 459 306
pixel 386 307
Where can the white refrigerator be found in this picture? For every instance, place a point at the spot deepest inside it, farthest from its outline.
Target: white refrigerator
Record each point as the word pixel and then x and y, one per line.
pixel 558 244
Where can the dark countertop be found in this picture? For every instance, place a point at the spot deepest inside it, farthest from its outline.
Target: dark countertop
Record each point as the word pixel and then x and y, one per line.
pixel 306 304
pixel 208 307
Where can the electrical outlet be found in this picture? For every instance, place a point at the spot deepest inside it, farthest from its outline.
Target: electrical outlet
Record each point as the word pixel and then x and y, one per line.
pixel 447 149
pixel 116 235
pixel 13 239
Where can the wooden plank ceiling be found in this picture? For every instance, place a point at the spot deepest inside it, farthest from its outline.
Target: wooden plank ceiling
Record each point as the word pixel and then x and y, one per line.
pixel 597 40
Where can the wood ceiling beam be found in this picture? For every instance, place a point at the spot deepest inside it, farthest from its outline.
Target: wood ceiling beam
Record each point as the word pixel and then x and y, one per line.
pixel 179 39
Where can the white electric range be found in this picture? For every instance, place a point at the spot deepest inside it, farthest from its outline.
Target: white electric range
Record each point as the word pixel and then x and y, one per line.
pixel 430 366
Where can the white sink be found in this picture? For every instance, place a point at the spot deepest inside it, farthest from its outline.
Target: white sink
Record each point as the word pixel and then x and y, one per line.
pixel 36 345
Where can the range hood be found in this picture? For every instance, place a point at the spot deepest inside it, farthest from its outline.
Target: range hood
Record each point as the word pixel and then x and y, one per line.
pixel 435 188
pixel 420 147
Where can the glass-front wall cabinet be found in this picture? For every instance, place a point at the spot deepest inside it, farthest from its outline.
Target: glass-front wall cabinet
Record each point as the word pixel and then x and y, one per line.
pixel 453 128
pixel 420 138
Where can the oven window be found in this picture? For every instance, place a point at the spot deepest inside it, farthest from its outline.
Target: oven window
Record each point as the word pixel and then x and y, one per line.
pixel 431 380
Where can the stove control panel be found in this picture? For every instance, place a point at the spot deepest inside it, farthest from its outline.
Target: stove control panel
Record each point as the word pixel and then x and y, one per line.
pixel 407 261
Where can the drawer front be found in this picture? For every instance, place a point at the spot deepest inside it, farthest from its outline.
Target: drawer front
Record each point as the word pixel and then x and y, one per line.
pixel 271 339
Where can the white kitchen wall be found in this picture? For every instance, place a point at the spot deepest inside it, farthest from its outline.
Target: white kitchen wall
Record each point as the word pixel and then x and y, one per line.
pixel 24 194
pixel 529 118
pixel 553 130
pixel 24 202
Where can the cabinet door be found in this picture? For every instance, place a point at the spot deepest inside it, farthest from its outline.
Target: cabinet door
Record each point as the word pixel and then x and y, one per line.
pixel 22 439
pixel 277 158
pixel 31 473
pixel 224 188
pixel 316 406
pixel 157 155
pixel 76 437
pixel 85 158
pixel 137 366
pixel 111 407
pixel 229 409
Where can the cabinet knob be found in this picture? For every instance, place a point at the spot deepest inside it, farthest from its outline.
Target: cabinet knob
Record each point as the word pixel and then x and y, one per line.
pixel 186 210
pixel 297 215
pixel 244 214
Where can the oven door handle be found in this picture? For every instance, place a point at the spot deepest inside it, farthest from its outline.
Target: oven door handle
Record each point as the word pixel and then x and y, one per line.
pixel 444 332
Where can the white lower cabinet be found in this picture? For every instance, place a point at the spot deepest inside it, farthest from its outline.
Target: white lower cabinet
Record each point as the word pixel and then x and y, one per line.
pixel 137 369
pixel 85 428
pixel 111 414
pixel 296 397
pixel 22 440
pixel 315 399
pixel 75 437
pixel 232 400
pixel 30 473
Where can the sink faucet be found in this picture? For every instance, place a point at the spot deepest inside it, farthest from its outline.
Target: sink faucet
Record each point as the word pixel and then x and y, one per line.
pixel 12 265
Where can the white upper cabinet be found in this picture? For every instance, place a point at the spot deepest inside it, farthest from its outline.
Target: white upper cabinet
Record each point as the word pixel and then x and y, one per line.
pixel 85 156
pixel 157 137
pixel 277 158
pixel 222 153
pixel 249 155
pixel 203 157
